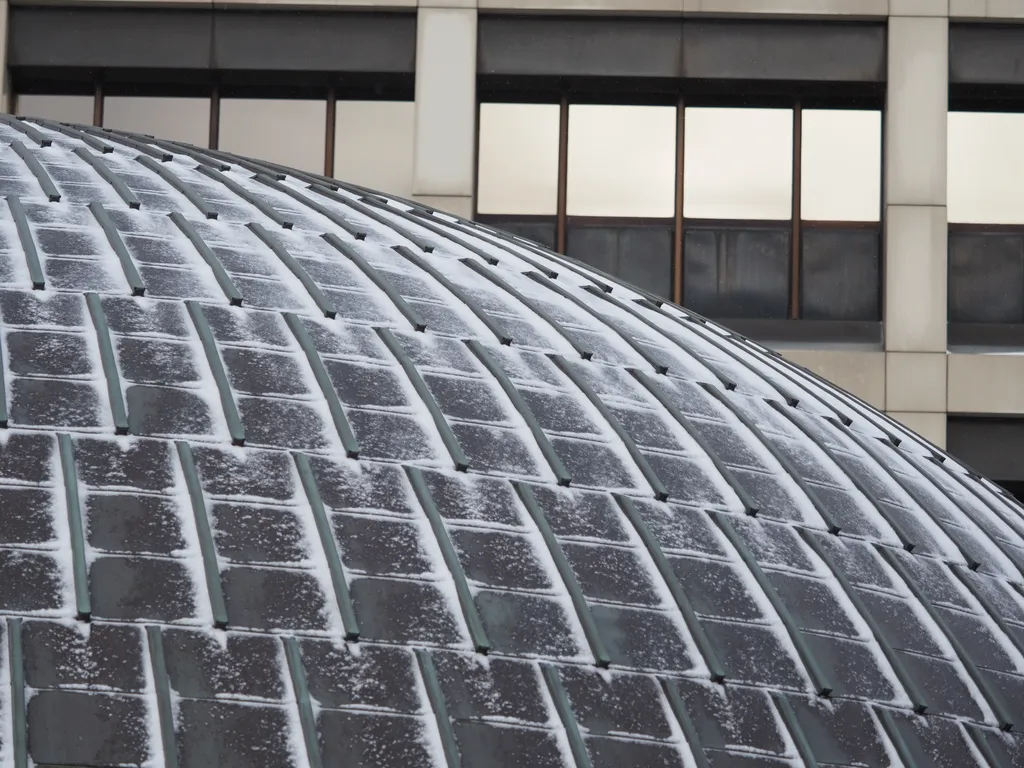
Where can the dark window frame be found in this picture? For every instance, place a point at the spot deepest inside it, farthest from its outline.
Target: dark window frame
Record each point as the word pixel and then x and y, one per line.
pixel 794 327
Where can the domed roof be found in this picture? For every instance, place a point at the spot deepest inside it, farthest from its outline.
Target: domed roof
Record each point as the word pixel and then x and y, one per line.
pixel 295 474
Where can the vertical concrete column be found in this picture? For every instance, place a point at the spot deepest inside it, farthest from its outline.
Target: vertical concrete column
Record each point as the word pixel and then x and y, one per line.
pixel 915 218
pixel 445 141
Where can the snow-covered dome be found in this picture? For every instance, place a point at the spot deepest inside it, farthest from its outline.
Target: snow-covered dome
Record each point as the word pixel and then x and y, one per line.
pixel 295 474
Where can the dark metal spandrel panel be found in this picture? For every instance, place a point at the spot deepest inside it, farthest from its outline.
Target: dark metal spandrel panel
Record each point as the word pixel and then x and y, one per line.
pixel 542 232
pixel 344 41
pixel 986 53
pixel 806 50
pixel 538 45
pixel 985 275
pixel 840 273
pixel 107 37
pixel 641 256
pixel 733 272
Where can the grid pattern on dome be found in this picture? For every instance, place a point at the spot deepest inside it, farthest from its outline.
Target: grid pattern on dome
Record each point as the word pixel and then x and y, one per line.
pixel 295 474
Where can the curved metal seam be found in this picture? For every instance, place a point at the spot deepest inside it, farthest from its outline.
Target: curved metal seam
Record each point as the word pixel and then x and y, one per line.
pixel 369 213
pixel 261 205
pixel 714 664
pixel 988 607
pixel 477 632
pixel 295 173
pixel 109 176
pixel 23 127
pixel 165 711
pixel 131 274
pixel 917 699
pixel 33 164
pixel 974 492
pixel 451 442
pixel 831 524
pixel 19 717
pixel 690 734
pixel 323 379
pixel 901 533
pixel 659 489
pixel 427 225
pixel 662 333
pixel 109 363
pixel 993 697
pixel 577 747
pixel 749 505
pixel 721 347
pixel 538 310
pixel 819 679
pixel 28 244
pixel 250 165
pixel 377 279
pixel 220 274
pixel 76 527
pixel 67 130
pixel 972 562
pixel 323 528
pixel 519 403
pixel 220 377
pixel 529 245
pixel 322 302
pixel 657 365
pixel 313 205
pixel 118 138
pixel 796 732
pixel 896 738
pixel 307 720
pixel 207 547
pixel 476 232
pixel 982 745
pixel 456 291
pixel 435 696
pixel 579 601
pixel 176 182
pixel 204 160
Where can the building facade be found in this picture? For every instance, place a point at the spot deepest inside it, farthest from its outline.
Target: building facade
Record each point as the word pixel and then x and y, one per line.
pixel 837 178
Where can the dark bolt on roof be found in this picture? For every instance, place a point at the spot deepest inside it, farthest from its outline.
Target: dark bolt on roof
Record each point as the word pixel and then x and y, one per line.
pixel 295 474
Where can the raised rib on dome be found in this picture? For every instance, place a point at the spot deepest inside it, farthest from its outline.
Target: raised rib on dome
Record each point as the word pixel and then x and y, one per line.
pixel 294 473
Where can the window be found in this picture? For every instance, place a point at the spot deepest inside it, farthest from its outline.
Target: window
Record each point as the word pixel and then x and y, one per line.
pixel 517 169
pixel 289 132
pixel 177 119
pixel 985 162
pixel 840 165
pixel 373 143
pixel 66 109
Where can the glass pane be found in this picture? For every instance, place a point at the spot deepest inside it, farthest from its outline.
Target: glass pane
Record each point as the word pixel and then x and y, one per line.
pixel 641 256
pixel 285 131
pixel 737 273
pixel 840 165
pixel 185 120
pixel 986 272
pixel 67 109
pixel 621 161
pixel 839 274
pixel 373 145
pixel 541 231
pixel 518 163
pixel 984 168
pixel 738 164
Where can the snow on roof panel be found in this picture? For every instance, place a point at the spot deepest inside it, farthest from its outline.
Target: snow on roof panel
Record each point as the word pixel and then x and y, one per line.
pixel 296 474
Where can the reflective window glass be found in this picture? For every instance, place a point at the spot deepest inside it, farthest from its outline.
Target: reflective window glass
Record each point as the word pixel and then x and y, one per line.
pixel 67 109
pixel 177 119
pixel 621 161
pixel 285 131
pixel 840 165
pixel 373 143
pixel 518 159
pixel 738 163
pixel 984 166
